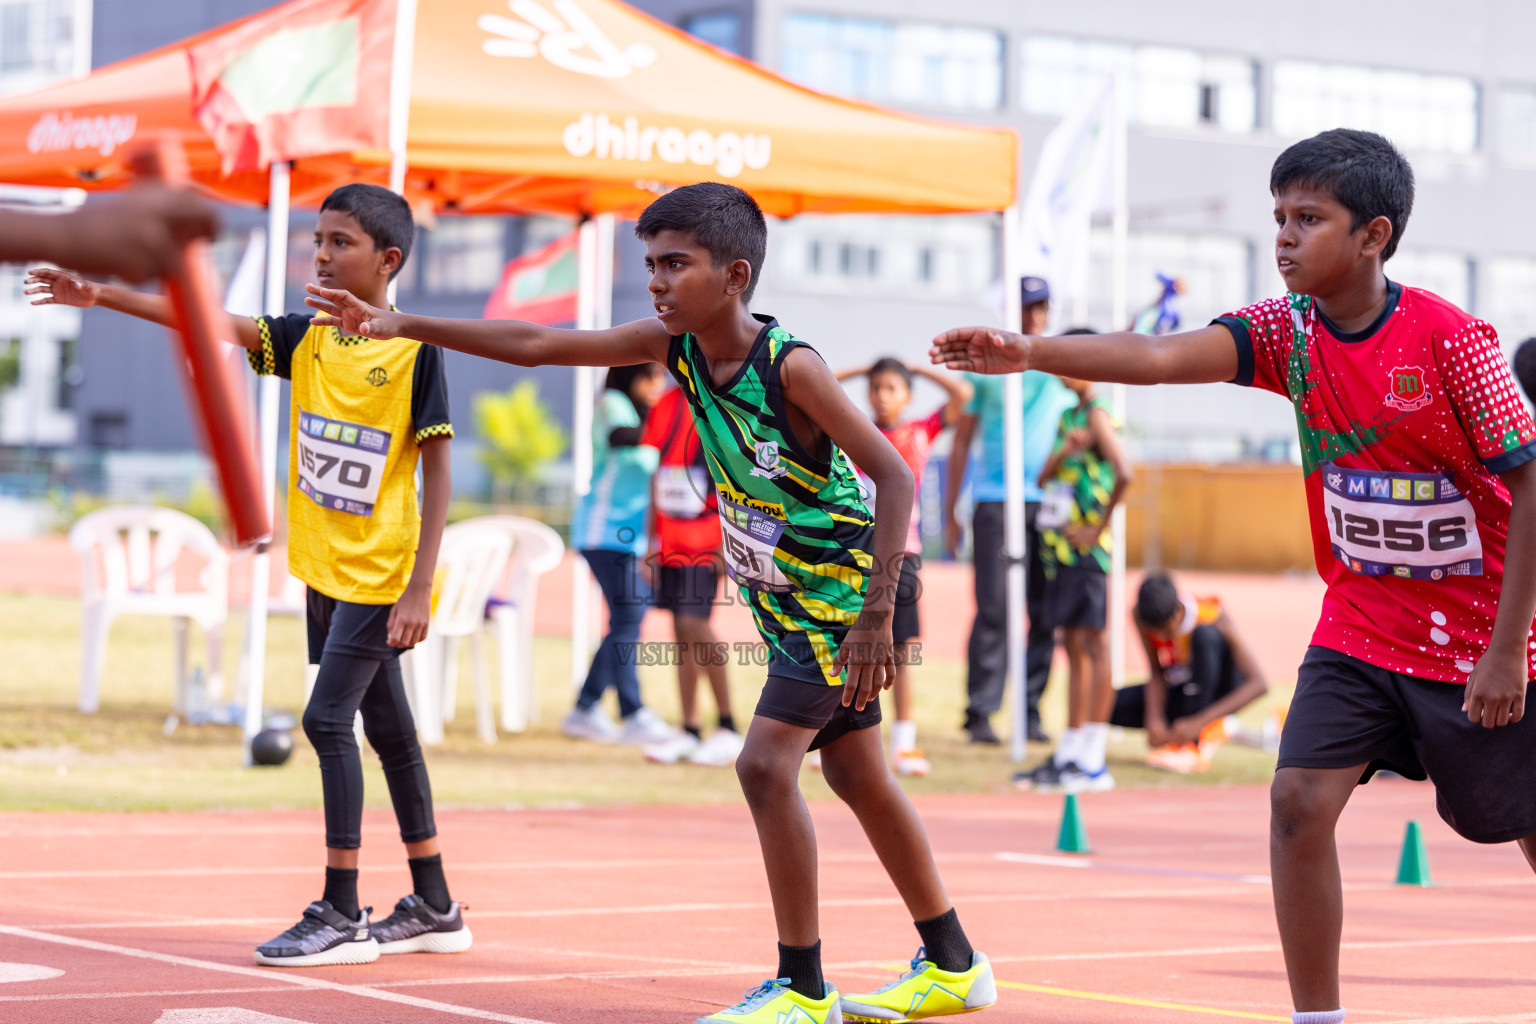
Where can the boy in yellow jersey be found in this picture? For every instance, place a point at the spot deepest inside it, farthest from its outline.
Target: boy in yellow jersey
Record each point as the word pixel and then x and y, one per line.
pixel 364 413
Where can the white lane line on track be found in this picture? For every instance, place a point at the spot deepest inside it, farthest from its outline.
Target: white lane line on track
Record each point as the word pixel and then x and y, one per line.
pixel 689 908
pixel 269 975
pixel 14 973
pixel 172 994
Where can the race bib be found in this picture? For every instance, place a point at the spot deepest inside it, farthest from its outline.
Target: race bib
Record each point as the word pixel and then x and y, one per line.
pixel 1055 507
pixel 749 539
pixel 341 464
pixel 1413 525
pixel 680 490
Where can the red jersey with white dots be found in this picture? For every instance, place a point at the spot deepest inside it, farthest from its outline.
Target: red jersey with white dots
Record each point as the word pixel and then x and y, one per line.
pixel 1404 429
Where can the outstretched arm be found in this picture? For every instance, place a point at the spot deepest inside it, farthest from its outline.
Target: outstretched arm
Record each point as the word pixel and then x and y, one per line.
pixel 506 341
pixel 136 236
pixel 958 390
pixel 60 288
pixel 1253 686
pixel 1204 356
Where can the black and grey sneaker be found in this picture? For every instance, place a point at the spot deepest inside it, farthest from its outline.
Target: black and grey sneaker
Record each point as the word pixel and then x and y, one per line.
pixel 321 937
pixel 1043 777
pixel 415 927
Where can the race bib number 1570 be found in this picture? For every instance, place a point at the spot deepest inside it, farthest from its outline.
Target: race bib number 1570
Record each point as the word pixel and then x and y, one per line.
pixel 341 464
pixel 1412 525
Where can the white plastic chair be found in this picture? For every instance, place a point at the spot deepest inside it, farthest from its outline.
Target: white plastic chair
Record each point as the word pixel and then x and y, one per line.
pixel 536 550
pixel 472 559
pixel 130 555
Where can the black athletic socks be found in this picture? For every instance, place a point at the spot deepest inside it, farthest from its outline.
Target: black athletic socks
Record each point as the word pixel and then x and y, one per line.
pixel 945 941
pixel 341 891
pixel 428 882
pixel 727 722
pixel 694 731
pixel 802 966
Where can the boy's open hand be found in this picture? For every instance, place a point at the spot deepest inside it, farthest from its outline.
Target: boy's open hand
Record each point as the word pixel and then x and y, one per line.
pixel 57 288
pixel 1496 691
pixel 344 310
pixel 869 658
pixel 409 617
pixel 981 350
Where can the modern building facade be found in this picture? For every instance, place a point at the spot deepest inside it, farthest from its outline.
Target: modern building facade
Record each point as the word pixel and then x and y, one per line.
pixel 1218 91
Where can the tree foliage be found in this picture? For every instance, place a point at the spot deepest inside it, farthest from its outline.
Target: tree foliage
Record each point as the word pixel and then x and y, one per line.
pixel 519 437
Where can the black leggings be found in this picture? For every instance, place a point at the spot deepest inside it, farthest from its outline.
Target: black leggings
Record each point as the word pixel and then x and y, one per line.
pixel 351 681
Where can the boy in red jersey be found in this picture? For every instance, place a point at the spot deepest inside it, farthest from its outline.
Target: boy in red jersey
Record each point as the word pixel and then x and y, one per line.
pixel 890 392
pixel 685 543
pixel 1422 493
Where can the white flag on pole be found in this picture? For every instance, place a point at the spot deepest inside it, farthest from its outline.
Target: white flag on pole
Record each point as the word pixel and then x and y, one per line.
pixel 1073 180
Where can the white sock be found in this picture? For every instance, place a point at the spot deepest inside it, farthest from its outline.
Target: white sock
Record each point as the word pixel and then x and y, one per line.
pixel 1093 738
pixel 903 736
pixel 1319 1017
pixel 1066 748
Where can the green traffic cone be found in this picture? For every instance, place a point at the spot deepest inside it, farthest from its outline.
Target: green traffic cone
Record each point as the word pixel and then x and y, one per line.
pixel 1413 866
pixel 1073 837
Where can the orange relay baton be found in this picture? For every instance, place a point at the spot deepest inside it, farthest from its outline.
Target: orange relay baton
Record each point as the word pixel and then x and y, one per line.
pixel 201 324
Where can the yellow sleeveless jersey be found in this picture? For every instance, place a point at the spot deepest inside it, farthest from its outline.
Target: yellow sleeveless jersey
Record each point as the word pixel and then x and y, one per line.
pixel 360 410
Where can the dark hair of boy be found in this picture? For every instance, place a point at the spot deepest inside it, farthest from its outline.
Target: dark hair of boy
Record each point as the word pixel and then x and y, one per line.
pixel 1078 330
pixel 621 378
pixel 888 364
pixel 1362 170
pixel 1157 600
pixel 384 215
pixel 721 218
pixel 1524 363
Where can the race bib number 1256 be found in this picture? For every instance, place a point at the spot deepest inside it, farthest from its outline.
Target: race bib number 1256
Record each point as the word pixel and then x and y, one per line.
pixel 340 464
pixel 1412 525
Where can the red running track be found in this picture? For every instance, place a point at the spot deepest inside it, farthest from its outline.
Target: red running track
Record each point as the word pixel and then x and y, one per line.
pixel 658 915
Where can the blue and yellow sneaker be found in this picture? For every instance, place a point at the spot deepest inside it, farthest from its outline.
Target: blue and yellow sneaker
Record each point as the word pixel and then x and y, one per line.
pixel 774 1002
pixel 926 991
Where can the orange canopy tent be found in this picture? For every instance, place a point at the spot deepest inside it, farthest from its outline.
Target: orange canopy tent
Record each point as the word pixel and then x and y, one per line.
pixel 555 106
pixel 578 107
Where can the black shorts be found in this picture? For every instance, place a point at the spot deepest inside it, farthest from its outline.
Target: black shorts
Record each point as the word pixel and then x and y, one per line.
pixel 342 627
pixel 815 706
pixel 1347 712
pixel 904 621
pixel 1076 597
pixel 688 589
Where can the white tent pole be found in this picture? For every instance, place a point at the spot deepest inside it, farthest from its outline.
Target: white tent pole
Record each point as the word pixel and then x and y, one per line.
pixel 1013 488
pixel 268 400
pixel 1119 315
pixel 585 388
pixel 400 66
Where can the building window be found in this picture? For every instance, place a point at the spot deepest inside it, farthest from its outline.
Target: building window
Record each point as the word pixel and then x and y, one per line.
pixel 914 257
pixel 1433 113
pixel 1447 274
pixel 70 375
pixel 463 255
pixel 1516 111
pixel 1215 270
pixel 1170 87
pixel 721 28
pixel 37 38
pixel 1509 299
pixel 913 63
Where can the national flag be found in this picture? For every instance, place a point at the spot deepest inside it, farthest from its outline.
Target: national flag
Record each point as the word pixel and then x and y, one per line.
pixel 539 286
pixel 307 78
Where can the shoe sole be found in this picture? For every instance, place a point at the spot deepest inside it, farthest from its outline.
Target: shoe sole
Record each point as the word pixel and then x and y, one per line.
pixel 430 942
pixel 1087 786
pixel 365 952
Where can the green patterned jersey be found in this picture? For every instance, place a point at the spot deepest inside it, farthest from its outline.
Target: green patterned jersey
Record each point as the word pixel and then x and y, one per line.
pixel 1077 495
pixel 796 531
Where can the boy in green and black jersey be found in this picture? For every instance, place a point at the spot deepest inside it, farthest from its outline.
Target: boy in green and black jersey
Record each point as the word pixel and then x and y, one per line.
pixel 819 571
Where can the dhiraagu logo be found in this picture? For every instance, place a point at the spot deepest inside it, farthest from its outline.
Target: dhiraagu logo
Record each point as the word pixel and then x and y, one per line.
pixel 729 153
pixel 566 36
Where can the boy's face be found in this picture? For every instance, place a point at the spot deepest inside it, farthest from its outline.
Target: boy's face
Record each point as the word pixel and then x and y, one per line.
pixel 888 396
pixel 1036 317
pixel 1166 630
pixel 346 256
pixel 648 388
pixel 689 292
pixel 1315 248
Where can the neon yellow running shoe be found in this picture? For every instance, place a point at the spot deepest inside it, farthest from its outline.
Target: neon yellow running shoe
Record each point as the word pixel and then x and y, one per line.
pixel 774 1002
pixel 926 991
